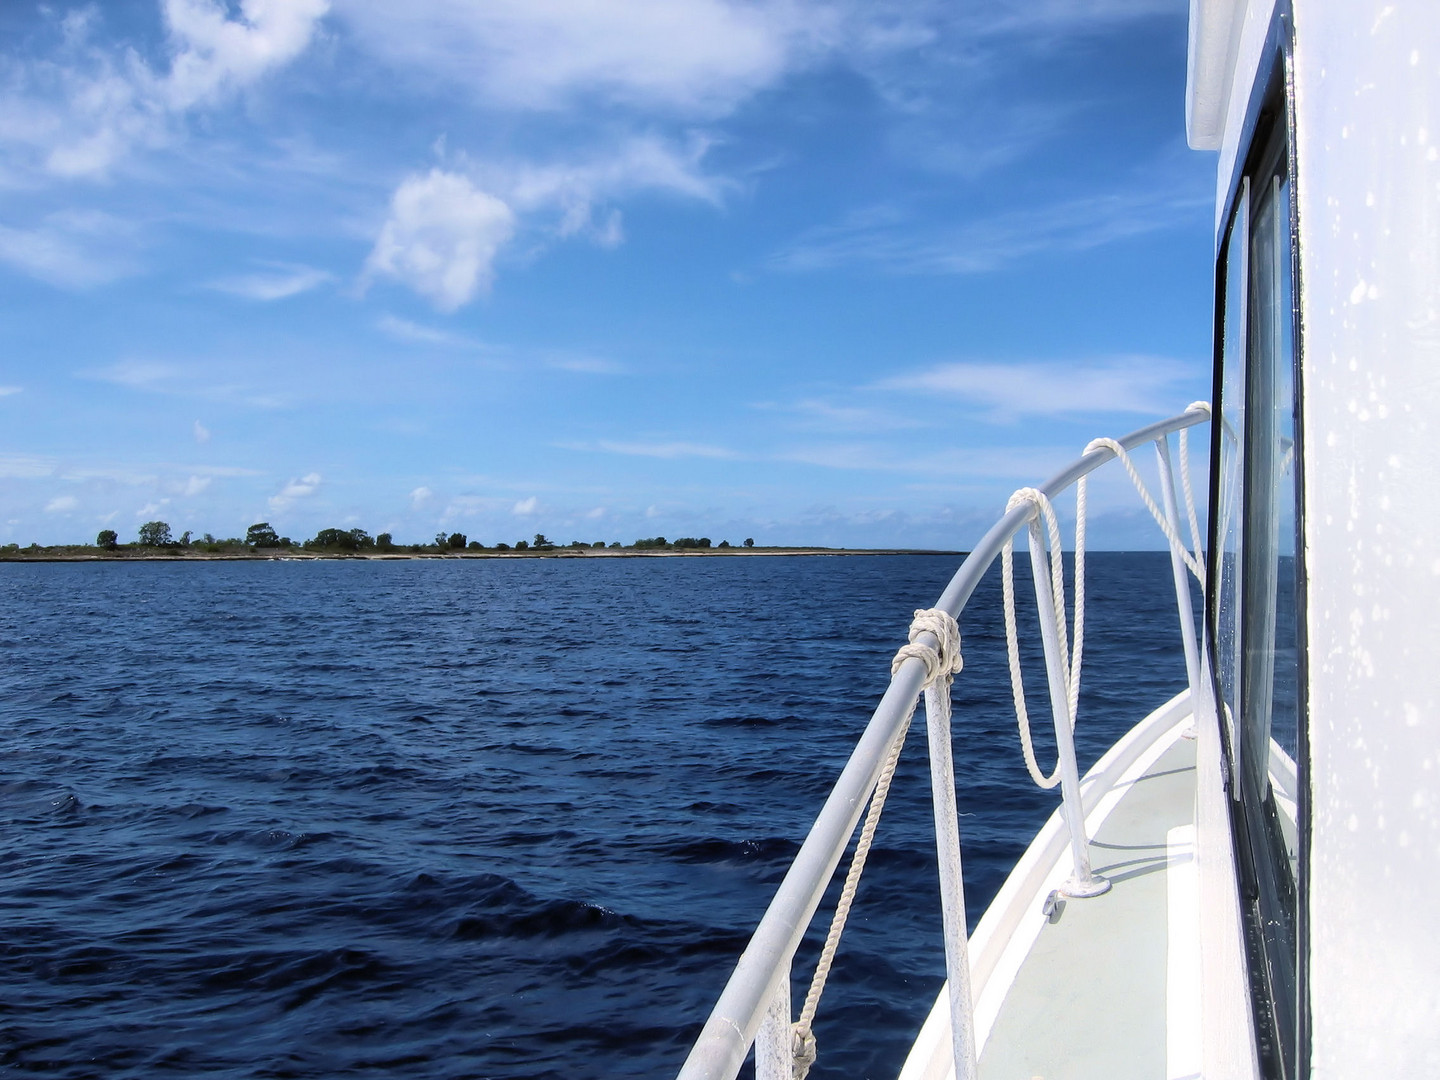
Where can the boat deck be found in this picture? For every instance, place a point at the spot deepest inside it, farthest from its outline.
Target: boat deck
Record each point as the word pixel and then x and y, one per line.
pixel 1098 979
pixel 1109 986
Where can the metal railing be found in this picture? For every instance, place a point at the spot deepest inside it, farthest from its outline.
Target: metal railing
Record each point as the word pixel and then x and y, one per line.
pixel 756 1000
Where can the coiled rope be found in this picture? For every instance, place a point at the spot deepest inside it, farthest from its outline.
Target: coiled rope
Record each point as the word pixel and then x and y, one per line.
pixel 1045 511
pixel 1069 667
pixel 942 663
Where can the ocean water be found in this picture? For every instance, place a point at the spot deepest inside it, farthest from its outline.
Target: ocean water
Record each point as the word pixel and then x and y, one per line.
pixel 484 818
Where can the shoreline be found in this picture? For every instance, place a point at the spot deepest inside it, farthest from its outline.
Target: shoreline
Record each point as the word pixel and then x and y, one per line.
pixel 382 556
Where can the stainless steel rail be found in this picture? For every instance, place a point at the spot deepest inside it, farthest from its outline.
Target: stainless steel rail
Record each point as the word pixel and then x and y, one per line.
pixel 762 973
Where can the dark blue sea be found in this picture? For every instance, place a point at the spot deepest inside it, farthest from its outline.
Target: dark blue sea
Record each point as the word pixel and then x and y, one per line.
pixel 483 818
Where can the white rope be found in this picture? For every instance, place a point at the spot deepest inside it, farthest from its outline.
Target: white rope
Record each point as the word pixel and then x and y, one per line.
pixel 1194 406
pixel 1070 666
pixel 1070 663
pixel 941 665
pixel 1192 560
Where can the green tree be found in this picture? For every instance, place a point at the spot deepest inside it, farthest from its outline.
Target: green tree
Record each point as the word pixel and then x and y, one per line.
pixel 749 542
pixel 724 544
pixel 384 542
pixel 184 540
pixel 154 534
pixel 522 545
pixel 455 541
pixel 542 543
pixel 261 535
pixel 344 539
pixel 108 539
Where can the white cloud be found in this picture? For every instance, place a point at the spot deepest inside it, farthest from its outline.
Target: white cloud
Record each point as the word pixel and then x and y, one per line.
pixel 303 488
pixel 681 56
pixel 182 381
pixel 816 414
pixel 196 484
pixel 71 248
pixel 284 282
pixel 636 163
pixel 596 514
pixel 586 365
pixel 963 467
pixel 405 330
pixel 61 504
pixel 420 496
pixel 1127 384
pixel 442 238
pixel 525 507
pixel 202 433
pixel 215 53
pixel 667 449
pixel 894 241
pixel 24 467
pixel 82 110
pixel 6 391
pixel 141 374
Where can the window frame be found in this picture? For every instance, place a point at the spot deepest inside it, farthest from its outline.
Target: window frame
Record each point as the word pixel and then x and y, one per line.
pixel 1268 149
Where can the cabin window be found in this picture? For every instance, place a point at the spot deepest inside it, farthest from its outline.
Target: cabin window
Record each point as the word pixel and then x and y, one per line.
pixel 1254 621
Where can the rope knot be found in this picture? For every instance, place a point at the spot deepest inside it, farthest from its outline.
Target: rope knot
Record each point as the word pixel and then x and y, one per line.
pixel 802 1050
pixel 944 660
pixel 1034 496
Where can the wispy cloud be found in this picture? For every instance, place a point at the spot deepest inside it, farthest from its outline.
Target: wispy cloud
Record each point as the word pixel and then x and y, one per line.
pixel 819 415
pixel 586 365
pixel 73 249
pixel 1007 391
pixel 6 391
pixel 280 283
pixel 897 242
pixel 62 504
pixel 161 377
pixel 963 466
pixel 405 330
pixel 526 507
pixel 81 110
pixel 201 432
pixel 664 449
pixel 295 490
pixel 696 58
pixel 446 228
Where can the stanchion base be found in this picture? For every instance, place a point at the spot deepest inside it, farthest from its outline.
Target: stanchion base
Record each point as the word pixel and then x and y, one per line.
pixel 1079 890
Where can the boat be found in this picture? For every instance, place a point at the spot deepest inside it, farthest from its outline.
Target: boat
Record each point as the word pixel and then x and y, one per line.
pixel 1240 887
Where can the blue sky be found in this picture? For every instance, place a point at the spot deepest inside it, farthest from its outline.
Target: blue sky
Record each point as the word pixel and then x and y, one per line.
pixel 812 271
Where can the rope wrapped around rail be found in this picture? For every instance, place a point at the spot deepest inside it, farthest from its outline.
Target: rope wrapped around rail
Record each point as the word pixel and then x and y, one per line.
pixel 942 663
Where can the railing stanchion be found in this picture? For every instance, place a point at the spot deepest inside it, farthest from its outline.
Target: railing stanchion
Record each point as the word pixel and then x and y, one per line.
pixel 773 1054
pixel 1178 569
pixel 1083 882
